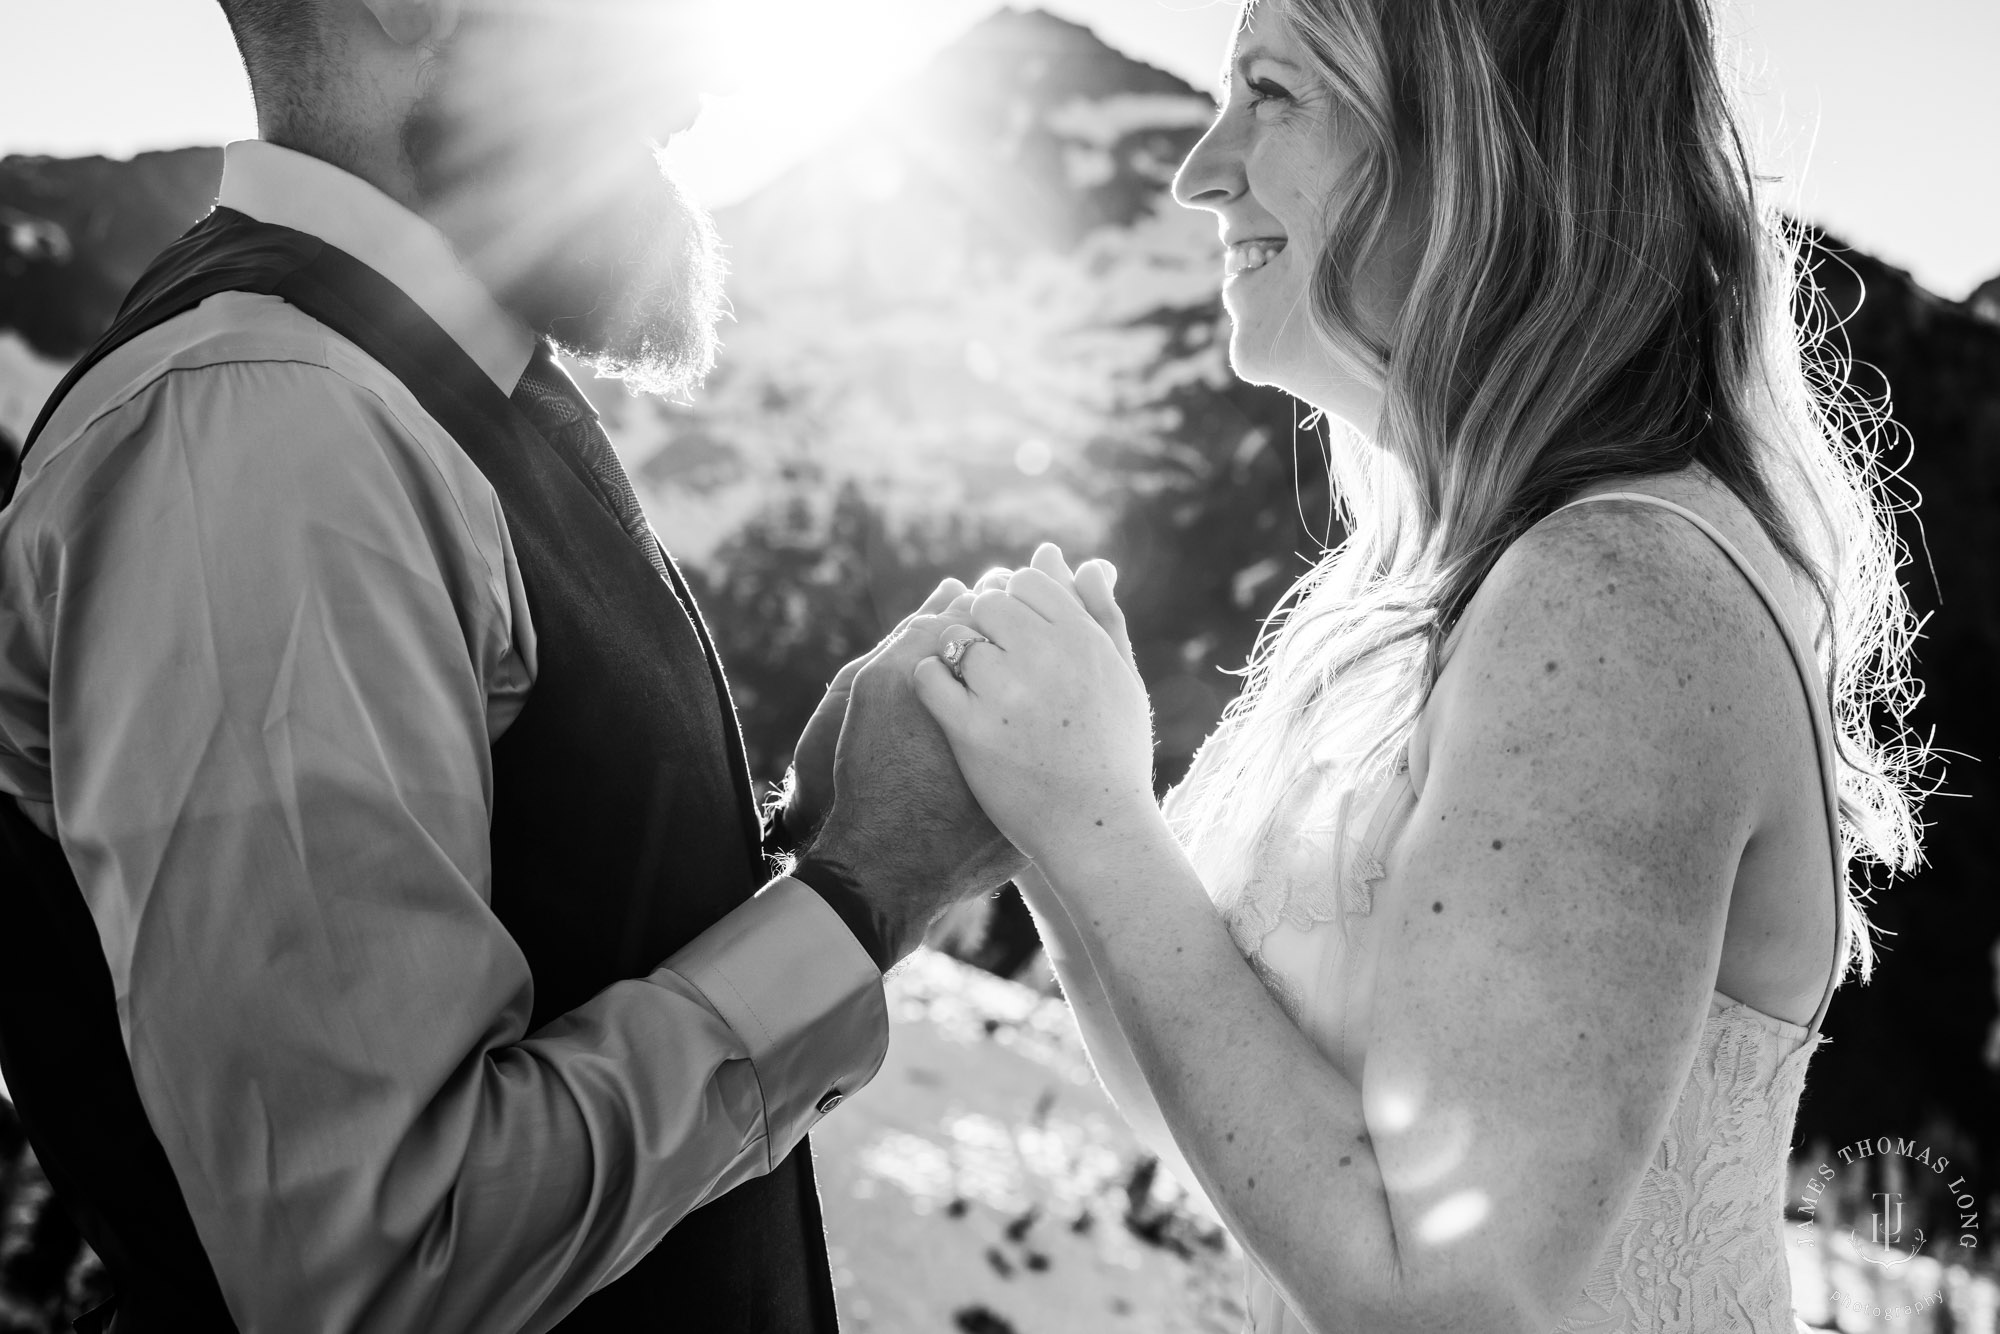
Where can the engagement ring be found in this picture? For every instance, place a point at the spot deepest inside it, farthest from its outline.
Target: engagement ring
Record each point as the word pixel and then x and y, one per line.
pixel 953 654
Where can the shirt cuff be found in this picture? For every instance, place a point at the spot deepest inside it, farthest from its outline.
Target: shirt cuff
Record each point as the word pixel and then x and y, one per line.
pixel 831 881
pixel 789 978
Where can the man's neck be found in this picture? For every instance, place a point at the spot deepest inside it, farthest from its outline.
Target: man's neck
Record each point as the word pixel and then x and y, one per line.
pixel 295 187
pixel 375 154
pixel 363 153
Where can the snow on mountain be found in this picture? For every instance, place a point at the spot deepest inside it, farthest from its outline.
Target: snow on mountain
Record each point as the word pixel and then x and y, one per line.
pixel 952 302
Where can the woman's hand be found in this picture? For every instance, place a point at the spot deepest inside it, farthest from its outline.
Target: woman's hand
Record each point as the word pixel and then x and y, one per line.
pixel 1051 726
pixel 1090 583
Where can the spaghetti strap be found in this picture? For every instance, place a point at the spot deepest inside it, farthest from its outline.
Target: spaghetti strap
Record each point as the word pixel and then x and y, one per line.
pixel 1822 728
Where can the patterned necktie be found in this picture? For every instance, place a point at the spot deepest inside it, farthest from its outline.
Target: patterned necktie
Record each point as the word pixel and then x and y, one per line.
pixel 550 399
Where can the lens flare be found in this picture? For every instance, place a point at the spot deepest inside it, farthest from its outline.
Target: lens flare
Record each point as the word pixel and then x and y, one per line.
pixel 783 79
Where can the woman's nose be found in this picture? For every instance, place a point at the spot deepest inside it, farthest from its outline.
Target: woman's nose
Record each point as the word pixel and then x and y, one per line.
pixel 1212 174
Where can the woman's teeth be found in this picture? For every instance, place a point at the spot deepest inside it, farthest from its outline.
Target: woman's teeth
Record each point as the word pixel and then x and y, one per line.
pixel 1247 255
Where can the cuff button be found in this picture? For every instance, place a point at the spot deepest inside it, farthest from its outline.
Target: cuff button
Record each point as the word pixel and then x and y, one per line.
pixel 831 1099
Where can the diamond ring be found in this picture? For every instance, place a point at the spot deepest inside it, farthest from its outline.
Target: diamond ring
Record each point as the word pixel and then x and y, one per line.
pixel 953 654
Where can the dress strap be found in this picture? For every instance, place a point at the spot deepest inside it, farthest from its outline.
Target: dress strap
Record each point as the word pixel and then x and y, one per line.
pixel 1802 660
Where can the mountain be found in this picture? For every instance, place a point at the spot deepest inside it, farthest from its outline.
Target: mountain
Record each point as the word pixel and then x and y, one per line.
pixel 941 304
pixel 78 231
pixel 1985 300
pixel 74 235
pixel 1026 136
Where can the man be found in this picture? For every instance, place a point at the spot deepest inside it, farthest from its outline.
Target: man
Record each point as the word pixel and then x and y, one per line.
pixel 382 944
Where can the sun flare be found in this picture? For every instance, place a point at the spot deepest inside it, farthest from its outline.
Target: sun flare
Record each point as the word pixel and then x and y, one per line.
pixel 797 72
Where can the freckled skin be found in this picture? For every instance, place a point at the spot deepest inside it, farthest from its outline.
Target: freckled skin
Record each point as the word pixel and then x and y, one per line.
pixel 1713 650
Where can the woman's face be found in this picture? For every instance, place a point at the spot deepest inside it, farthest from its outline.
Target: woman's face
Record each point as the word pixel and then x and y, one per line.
pixel 1269 168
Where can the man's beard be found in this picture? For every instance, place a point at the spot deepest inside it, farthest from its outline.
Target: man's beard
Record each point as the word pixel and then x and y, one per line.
pixel 610 261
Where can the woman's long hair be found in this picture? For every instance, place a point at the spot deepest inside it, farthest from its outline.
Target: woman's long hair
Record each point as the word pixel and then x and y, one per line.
pixel 1598 295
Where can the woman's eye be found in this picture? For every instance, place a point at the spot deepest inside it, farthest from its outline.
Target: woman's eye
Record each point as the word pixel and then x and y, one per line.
pixel 1263 90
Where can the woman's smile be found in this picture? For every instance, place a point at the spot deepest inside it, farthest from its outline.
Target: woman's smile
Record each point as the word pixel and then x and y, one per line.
pixel 1251 254
pixel 1271 169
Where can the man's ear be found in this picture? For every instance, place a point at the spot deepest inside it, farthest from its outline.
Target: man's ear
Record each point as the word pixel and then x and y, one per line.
pixel 409 22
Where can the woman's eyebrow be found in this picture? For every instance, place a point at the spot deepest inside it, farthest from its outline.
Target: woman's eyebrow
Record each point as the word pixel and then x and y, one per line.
pixel 1247 56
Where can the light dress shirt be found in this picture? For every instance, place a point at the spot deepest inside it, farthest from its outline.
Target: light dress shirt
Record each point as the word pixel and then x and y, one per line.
pixel 260 626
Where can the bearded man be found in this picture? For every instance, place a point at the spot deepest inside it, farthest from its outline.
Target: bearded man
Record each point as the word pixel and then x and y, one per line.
pixel 388 939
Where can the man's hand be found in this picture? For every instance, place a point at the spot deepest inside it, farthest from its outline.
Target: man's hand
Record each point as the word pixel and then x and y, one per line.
pixel 810 793
pixel 904 826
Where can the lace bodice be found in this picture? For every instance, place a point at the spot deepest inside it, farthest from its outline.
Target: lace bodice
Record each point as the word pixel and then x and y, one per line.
pixel 1700 1245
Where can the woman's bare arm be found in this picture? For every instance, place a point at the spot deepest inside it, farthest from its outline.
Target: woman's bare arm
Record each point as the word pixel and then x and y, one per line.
pixel 1110 1054
pixel 1599 760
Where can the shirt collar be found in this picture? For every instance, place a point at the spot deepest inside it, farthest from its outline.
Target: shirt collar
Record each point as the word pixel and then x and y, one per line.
pixel 290 189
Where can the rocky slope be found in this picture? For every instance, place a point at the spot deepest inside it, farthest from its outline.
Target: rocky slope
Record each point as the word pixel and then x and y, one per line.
pixel 76 232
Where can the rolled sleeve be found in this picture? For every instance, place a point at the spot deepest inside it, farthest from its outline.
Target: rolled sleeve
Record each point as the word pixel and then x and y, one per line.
pixel 785 973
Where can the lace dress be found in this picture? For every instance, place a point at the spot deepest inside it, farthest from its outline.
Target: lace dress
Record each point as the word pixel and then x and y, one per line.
pixel 1700 1245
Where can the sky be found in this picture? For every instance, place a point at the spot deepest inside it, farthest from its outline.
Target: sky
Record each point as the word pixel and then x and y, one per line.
pixel 1881 116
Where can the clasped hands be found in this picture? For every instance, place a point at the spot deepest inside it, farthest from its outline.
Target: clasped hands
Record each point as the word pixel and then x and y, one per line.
pixel 930 787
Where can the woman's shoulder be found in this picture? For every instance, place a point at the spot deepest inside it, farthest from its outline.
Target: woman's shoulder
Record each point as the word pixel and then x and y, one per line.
pixel 1613 550
pixel 1619 615
pixel 1670 565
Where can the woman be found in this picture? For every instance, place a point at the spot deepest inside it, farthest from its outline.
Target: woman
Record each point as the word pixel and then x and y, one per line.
pixel 1529 833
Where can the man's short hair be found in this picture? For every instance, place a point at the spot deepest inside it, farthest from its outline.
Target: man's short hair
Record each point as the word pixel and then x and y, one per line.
pixel 280 42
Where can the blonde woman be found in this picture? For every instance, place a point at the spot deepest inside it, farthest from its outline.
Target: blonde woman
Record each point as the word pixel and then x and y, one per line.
pixel 1474 970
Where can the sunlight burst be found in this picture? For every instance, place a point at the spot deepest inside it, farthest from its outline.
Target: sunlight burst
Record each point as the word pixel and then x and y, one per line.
pixel 798 72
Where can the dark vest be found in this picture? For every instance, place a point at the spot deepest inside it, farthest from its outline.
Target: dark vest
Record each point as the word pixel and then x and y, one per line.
pixel 623 827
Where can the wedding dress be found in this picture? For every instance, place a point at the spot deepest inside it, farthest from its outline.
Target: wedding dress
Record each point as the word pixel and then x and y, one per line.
pixel 1699 1246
